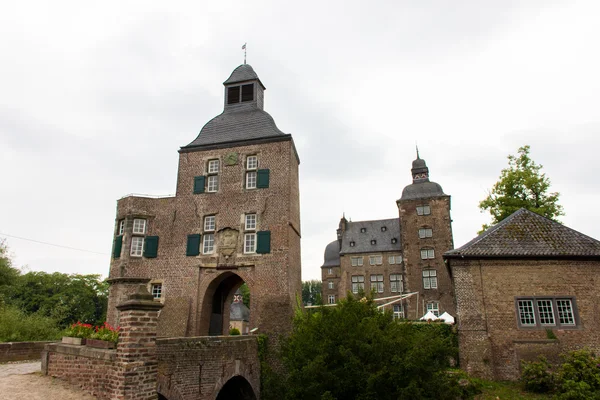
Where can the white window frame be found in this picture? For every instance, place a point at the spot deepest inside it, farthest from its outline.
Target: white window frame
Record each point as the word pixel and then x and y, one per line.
pixel 156 290
pixel 139 226
pixel 358 283
pixel 425 209
pixel 375 260
pixel 398 311
pixel 330 285
pixel 252 162
pixel 208 243
pixel 121 228
pixel 137 246
pixel 331 299
pixel 377 282
pixel 251 178
pixel 250 222
pixel 210 223
pixel 212 183
pixel 356 261
pixel 427 254
pixel 249 243
pixel 425 233
pixel 397 259
pixel 396 283
pixel 430 280
pixel 329 271
pixel 434 307
pixel 213 166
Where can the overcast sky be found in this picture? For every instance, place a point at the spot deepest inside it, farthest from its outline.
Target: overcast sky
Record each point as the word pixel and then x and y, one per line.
pixel 96 99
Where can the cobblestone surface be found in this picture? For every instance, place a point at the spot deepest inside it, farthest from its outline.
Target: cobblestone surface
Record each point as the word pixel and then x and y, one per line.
pixel 23 380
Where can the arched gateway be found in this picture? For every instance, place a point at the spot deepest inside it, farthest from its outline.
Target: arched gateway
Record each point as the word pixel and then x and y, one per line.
pixel 234 219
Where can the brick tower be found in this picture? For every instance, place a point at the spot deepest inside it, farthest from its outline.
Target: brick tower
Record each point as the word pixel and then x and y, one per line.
pixel 235 218
pixel 426 231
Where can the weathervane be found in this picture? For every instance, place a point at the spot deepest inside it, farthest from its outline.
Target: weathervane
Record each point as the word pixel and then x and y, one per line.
pixel 416 146
pixel 244 48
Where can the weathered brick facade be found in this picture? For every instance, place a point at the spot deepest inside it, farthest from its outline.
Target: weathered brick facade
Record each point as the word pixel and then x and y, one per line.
pixel 419 237
pixel 526 287
pixel 196 286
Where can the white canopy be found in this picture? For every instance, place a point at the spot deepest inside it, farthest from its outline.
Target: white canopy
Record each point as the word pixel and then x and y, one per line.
pixel 429 316
pixel 447 318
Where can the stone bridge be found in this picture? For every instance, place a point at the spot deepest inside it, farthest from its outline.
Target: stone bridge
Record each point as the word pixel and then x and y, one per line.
pixel 208 367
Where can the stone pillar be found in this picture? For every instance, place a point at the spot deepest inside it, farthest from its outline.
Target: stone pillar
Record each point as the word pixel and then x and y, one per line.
pixel 136 360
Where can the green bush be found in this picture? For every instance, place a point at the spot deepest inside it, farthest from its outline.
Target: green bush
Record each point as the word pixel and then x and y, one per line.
pixel 234 331
pixel 537 376
pixel 16 326
pixel 579 376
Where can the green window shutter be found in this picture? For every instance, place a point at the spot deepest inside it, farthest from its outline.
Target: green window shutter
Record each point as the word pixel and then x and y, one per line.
pixel 263 242
pixel 199 184
pixel 151 246
pixel 262 179
pixel 117 247
pixel 193 245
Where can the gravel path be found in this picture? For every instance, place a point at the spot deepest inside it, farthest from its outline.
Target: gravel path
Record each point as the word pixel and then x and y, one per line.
pixel 24 380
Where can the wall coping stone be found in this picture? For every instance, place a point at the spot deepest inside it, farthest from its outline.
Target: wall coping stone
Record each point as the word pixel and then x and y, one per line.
pixel 533 341
pixel 131 279
pixel 82 351
pixel 205 339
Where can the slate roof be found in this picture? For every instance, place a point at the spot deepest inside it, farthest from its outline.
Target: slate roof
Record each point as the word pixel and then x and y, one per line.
pixel 525 234
pixel 422 190
pixel 331 258
pixel 243 73
pixel 362 240
pixel 237 125
pixel 239 312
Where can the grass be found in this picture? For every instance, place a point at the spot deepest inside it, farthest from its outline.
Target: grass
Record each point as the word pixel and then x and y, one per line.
pixel 507 391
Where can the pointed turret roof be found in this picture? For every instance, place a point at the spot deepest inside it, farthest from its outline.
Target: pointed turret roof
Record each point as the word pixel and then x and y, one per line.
pixel 525 234
pixel 421 188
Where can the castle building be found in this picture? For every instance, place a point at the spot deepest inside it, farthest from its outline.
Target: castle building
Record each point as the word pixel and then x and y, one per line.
pixel 235 218
pixel 396 256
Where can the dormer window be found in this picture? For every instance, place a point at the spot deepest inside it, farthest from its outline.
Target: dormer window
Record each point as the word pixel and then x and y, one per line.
pixel 243 93
pixel 373 241
pixel 363 230
pixel 383 228
pixel 352 244
pixel 394 240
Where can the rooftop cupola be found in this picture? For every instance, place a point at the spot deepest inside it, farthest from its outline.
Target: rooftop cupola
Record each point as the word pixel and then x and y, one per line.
pixel 420 172
pixel 243 90
pixel 421 187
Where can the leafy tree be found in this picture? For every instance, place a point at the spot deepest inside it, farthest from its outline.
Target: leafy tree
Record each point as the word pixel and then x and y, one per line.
pixel 354 351
pixel 245 294
pixel 311 292
pixel 8 274
pixel 521 185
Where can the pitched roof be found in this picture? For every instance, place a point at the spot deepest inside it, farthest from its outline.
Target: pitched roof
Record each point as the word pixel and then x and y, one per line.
pixel 373 231
pixel 243 73
pixel 525 234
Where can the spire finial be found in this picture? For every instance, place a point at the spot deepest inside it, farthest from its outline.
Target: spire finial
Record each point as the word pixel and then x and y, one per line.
pixel 417 147
pixel 244 48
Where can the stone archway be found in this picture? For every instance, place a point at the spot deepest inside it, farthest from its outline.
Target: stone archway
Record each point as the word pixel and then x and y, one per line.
pixel 214 315
pixel 237 388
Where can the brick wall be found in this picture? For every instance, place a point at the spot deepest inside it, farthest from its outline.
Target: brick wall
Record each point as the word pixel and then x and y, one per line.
pixel 20 351
pixel 198 367
pixel 491 342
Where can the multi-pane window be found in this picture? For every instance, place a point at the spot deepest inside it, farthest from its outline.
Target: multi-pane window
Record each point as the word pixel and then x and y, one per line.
pixel 356 261
pixel 137 246
pixel 139 226
pixel 425 233
pixel 329 271
pixel 394 260
pixel 377 283
pixel 427 254
pixel 375 260
pixel 358 283
pixel 121 229
pixel 546 311
pixel 331 299
pixel 423 210
pixel 249 243
pixel 208 243
pixel 434 307
pixel 250 222
pixel 209 223
pixel 212 184
pixel 251 180
pixel 398 311
pixel 252 162
pixel 157 290
pixel 330 284
pixel 251 171
pixel 396 283
pixel 430 279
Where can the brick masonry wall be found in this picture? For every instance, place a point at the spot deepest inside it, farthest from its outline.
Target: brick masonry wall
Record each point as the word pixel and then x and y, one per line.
pixel 441 241
pixel 92 370
pixel 486 292
pixel 198 367
pixel 273 279
pixel 20 351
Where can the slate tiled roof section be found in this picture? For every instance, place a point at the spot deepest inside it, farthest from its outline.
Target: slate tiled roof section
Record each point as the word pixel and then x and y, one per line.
pixel 526 234
pixel 373 231
pixel 233 126
pixel 331 257
pixel 243 73
pixel 423 190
